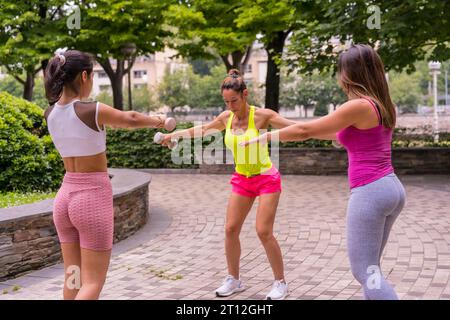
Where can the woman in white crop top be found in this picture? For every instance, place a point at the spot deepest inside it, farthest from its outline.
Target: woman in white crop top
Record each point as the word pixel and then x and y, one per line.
pixel 83 208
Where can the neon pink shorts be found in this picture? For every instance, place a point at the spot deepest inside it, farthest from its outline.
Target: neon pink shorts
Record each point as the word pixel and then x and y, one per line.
pixel 268 182
pixel 83 210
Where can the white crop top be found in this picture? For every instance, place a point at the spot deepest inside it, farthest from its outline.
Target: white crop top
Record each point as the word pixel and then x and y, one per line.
pixel 74 129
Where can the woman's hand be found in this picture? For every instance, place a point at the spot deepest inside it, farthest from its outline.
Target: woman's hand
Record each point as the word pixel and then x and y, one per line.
pixel 166 139
pixel 166 123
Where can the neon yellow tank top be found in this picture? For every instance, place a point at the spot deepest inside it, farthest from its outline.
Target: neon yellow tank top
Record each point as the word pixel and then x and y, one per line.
pixel 252 159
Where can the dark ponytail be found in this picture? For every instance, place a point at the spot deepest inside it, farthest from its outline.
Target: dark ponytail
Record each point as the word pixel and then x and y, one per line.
pixel 63 70
pixel 233 81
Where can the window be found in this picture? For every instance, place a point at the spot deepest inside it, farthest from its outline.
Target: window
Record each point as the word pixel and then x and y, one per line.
pixel 102 74
pixel 248 68
pixel 139 74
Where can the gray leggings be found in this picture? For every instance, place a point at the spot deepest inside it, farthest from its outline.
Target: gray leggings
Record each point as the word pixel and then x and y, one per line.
pixel 372 210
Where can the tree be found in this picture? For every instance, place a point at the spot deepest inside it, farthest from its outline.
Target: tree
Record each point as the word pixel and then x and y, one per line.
pixel 207 28
pixel 204 91
pixel 14 88
pixel 316 90
pixel 405 90
pixel 143 99
pixel 203 67
pixel 274 20
pixel 30 32
pixel 107 26
pixel 408 31
pixel 173 91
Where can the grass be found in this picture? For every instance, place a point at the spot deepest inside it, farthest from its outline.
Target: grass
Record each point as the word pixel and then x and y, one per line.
pixel 11 199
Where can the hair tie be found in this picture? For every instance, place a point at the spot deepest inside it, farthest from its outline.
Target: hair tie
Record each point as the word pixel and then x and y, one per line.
pixel 62 59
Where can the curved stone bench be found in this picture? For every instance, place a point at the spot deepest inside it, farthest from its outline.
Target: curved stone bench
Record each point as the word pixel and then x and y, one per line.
pixel 28 239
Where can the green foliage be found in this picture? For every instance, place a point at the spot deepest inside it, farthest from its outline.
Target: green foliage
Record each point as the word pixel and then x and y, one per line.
pixel 136 149
pixel 204 67
pixel 11 199
pixel 405 91
pixel 118 22
pixel 409 31
pixel 268 17
pixel 173 91
pixel 30 32
pixel 105 97
pixel 144 99
pixel 205 90
pixel 184 87
pixel 318 89
pixel 13 87
pixel 28 160
pixel 205 28
pixel 419 137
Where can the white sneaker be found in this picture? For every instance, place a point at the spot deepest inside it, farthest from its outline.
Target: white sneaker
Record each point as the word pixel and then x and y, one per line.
pixel 279 291
pixel 230 286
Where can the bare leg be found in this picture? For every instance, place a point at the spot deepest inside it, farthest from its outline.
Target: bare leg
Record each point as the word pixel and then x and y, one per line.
pixel 238 209
pixel 72 265
pixel 265 219
pixel 94 266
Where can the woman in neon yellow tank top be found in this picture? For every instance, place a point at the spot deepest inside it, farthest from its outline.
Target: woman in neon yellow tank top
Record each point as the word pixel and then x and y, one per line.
pixel 255 176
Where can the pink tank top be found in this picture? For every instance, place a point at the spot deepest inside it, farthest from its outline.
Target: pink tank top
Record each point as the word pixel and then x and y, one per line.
pixel 369 152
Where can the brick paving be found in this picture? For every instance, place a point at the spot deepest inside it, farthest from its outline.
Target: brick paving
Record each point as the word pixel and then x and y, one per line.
pixel 179 254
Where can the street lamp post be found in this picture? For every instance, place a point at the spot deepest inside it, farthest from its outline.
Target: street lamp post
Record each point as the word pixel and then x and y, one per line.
pixel 434 67
pixel 128 51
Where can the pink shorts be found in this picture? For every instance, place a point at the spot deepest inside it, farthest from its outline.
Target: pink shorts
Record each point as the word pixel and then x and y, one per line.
pixel 83 210
pixel 268 182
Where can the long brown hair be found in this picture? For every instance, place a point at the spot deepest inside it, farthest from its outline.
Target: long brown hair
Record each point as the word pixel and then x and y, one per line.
pixel 361 73
pixel 63 70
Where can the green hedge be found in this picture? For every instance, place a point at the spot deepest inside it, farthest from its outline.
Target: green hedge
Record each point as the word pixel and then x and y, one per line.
pixel 28 159
pixel 135 148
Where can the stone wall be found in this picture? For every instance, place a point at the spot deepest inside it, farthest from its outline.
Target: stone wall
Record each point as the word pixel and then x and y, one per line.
pixel 332 161
pixel 28 239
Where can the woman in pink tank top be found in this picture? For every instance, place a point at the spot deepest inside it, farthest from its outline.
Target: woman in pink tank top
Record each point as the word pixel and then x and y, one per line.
pixel 363 125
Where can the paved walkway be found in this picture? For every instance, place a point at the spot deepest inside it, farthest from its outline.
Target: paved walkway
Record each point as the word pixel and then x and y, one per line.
pixel 180 255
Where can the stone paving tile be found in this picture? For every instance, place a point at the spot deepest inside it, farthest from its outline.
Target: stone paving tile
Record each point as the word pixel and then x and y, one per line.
pixel 184 240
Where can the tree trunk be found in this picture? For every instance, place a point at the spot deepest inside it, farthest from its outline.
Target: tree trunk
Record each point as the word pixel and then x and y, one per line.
pixel 28 86
pixel 274 50
pixel 117 89
pixel 116 79
pixel 238 60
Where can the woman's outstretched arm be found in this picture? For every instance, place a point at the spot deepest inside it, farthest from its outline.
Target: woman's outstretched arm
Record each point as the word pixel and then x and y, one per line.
pixel 347 115
pixel 218 124
pixel 127 119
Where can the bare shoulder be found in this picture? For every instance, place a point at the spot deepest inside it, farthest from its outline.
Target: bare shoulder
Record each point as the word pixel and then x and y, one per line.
pixel 356 104
pixel 265 113
pixel 223 116
pixel 104 106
